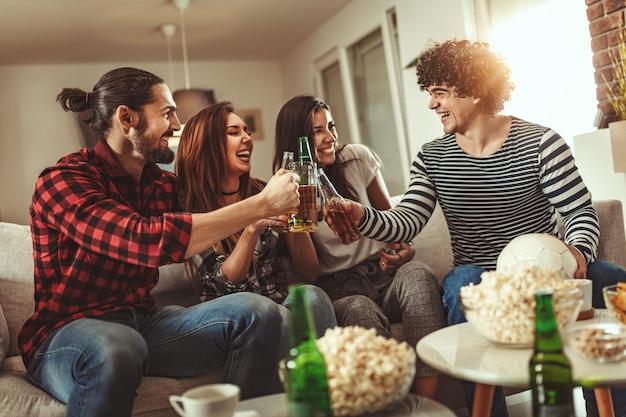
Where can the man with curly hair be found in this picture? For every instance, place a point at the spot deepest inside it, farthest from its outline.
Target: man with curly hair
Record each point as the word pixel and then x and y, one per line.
pixel 496 177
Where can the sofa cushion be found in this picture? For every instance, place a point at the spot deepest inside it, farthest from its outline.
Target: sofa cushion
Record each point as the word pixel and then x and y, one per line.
pixel 174 287
pixel 432 244
pixel 16 278
pixel 4 337
pixel 20 398
pixel 612 246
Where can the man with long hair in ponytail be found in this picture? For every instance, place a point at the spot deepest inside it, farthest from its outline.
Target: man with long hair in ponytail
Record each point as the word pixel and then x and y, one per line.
pixel 103 220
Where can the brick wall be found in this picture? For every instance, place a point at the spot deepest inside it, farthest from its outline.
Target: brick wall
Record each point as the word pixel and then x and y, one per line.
pixel 606 17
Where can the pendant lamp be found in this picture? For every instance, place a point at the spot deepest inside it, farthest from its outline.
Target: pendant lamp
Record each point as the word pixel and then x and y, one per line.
pixel 190 100
pixel 168 30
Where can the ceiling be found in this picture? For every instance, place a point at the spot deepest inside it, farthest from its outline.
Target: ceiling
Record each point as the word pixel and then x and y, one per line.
pixel 80 31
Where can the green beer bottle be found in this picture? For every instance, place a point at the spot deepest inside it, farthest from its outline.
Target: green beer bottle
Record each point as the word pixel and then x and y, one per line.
pixel 306 382
pixel 550 370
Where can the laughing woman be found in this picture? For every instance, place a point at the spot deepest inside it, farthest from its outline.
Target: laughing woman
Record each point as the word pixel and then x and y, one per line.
pixel 213 165
pixel 369 287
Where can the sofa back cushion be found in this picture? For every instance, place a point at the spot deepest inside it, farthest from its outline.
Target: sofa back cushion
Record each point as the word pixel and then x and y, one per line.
pixel 17 286
pixel 16 278
pixel 4 336
pixel 174 287
pixel 432 245
pixel 612 247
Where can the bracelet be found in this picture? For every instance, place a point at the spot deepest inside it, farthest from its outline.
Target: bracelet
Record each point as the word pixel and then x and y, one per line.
pixel 409 243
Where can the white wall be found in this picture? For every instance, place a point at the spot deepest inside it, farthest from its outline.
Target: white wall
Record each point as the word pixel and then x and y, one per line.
pixel 418 22
pixel 37 131
pixel 594 159
pixel 554 84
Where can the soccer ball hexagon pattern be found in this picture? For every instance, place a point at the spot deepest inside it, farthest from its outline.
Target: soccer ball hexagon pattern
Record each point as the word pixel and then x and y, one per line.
pixel 538 249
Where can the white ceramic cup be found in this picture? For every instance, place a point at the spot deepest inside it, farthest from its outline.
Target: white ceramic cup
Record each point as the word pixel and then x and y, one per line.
pixel 213 400
pixel 587 287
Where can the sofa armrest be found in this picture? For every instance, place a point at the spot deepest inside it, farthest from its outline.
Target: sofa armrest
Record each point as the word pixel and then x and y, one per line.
pixel 612 247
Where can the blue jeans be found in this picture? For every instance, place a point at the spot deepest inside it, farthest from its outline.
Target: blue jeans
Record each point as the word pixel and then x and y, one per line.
pixel 600 272
pixel 321 310
pixel 96 365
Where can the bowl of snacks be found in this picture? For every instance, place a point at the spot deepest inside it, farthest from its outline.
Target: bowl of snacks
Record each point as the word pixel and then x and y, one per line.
pixel 366 373
pixel 502 307
pixel 615 300
pixel 604 342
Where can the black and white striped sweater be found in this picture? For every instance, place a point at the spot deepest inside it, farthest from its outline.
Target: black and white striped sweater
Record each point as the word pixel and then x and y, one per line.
pixel 487 201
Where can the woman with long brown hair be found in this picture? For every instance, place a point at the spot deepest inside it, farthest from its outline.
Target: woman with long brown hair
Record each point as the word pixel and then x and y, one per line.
pixel 213 165
pixel 369 287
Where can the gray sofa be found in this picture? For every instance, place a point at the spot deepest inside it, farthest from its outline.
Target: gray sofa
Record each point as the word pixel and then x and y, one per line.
pixel 19 398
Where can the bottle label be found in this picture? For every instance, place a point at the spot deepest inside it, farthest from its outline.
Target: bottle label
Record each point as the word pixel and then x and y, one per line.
pixel 305 218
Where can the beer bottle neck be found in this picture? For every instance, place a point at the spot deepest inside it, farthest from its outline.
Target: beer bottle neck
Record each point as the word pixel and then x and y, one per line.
pixel 547 337
pixel 301 327
pixel 327 188
pixel 287 162
pixel 304 151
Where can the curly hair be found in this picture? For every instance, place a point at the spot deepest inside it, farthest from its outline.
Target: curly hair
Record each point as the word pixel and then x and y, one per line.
pixel 471 68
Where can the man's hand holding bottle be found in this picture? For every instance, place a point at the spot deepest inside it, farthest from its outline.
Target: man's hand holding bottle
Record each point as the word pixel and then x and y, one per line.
pixel 356 211
pixel 281 193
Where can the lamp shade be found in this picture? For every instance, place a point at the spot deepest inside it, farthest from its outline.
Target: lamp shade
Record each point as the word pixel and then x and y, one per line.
pixel 189 102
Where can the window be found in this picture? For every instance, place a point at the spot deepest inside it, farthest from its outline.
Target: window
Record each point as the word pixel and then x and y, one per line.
pixel 359 83
pixel 552 69
pixel 374 107
pixel 335 98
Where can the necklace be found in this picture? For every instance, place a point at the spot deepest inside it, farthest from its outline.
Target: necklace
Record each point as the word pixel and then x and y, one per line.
pixel 233 193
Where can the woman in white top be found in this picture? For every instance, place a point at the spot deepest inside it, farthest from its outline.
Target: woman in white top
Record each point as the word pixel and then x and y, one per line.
pixel 369 287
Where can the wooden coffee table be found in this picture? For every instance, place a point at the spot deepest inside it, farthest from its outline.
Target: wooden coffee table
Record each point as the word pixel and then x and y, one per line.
pixel 461 352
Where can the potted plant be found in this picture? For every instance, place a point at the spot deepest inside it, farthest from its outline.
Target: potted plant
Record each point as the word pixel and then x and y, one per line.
pixel 616 94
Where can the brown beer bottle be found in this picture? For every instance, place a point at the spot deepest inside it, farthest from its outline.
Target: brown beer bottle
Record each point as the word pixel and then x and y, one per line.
pixel 305 219
pixel 332 201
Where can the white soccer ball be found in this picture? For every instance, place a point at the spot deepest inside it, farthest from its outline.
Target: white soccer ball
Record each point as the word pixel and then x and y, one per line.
pixel 538 249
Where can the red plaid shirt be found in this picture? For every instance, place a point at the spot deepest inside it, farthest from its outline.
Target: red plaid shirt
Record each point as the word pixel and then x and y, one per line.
pixel 99 236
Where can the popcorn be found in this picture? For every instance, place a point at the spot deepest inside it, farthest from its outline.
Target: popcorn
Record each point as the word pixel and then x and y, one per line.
pixel 366 372
pixel 502 306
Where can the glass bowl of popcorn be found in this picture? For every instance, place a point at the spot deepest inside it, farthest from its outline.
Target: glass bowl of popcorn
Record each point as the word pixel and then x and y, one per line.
pixel 603 342
pixel 502 307
pixel 615 300
pixel 366 373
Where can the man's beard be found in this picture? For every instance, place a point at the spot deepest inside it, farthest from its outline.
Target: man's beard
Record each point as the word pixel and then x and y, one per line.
pixel 151 153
